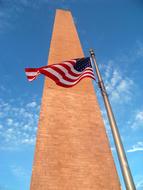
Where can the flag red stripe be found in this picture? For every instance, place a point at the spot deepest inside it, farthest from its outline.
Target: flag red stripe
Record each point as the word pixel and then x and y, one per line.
pixel 31 69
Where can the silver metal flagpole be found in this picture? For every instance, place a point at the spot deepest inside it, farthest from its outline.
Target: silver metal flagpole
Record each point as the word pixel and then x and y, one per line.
pixel 129 183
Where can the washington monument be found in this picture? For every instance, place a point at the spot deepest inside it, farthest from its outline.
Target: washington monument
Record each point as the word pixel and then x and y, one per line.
pixel 72 149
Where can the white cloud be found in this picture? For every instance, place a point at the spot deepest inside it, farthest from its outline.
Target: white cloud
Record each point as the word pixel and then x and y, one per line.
pixel 139 182
pixel 137 121
pixel 31 104
pixel 11 10
pixel 113 149
pixel 19 172
pixel 18 124
pixel 29 141
pixel 106 123
pixel 139 116
pixel 116 77
pixel 119 86
pixel 137 147
pixel 9 121
pixel 139 185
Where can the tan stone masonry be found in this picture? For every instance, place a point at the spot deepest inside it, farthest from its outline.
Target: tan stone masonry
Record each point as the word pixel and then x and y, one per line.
pixel 72 150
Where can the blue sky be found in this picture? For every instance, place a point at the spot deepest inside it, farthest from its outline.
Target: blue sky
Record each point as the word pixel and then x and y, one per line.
pixel 114 30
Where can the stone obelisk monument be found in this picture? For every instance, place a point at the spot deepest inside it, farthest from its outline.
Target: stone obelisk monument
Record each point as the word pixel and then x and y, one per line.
pixel 72 149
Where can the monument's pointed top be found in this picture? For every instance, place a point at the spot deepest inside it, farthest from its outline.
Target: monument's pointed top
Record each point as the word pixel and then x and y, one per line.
pixel 65 43
pixel 63 10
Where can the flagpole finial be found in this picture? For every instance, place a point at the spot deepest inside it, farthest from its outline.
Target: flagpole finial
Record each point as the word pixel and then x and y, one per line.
pixel 91 51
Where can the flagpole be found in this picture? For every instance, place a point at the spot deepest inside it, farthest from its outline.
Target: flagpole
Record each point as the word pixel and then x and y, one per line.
pixel 128 179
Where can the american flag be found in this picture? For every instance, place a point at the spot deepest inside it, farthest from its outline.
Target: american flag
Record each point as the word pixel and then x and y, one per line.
pixel 65 74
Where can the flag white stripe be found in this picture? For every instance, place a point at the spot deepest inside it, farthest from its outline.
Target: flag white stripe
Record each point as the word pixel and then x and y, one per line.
pixel 31 79
pixel 32 73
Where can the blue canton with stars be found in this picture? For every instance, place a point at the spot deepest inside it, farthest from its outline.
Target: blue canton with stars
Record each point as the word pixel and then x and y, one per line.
pixel 82 64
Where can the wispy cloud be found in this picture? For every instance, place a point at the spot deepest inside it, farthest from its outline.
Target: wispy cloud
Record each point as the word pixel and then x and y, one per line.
pixel 18 123
pixel 10 10
pixel 139 116
pixel 106 123
pixel 139 182
pixel 139 185
pixel 113 149
pixel 137 147
pixel 137 120
pixel 31 104
pixel 119 86
pixel 19 172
